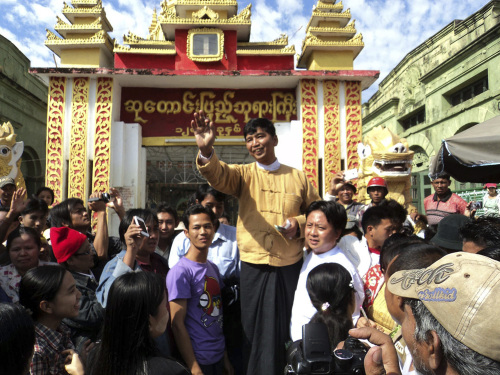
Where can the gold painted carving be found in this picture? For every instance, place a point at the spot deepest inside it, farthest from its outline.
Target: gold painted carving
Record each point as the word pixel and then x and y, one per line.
pixel 309 107
pixel 11 152
pixel 156 51
pixel 84 2
pixel 283 51
pixel 55 133
pixel 333 30
pixel 281 104
pixel 281 41
pixel 98 38
pixel 331 104
pixel 318 13
pixel 102 138
pixel 353 122
pixel 97 9
pixel 199 2
pixel 77 175
pixel 205 58
pixel 333 6
pixel 205 11
pixel 169 15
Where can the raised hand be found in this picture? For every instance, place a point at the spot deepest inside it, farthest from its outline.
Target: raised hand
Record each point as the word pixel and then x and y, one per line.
pixel 204 133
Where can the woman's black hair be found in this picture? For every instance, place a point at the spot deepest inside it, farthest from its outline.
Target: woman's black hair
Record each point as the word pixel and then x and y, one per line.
pixel 40 284
pixel 19 231
pixel 144 214
pixel 45 188
pixel 60 215
pixel 126 342
pixel 17 339
pixel 331 283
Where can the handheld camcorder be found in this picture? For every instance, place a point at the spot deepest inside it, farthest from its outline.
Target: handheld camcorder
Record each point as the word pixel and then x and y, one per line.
pixel 105 197
pixel 312 355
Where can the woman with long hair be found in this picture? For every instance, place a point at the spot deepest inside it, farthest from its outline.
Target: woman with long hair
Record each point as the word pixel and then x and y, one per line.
pixel 331 290
pixel 136 314
pixel 50 294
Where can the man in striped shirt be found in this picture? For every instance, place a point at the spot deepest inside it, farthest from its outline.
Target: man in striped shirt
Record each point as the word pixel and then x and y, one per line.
pixel 443 202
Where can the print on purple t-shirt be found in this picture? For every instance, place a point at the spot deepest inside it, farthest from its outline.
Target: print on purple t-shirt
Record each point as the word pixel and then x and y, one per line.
pixel 200 284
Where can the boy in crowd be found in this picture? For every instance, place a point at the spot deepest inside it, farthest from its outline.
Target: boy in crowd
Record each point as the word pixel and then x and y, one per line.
pixel 194 288
pixel 72 250
pixel 167 221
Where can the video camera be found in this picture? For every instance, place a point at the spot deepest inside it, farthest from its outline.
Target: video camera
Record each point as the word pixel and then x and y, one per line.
pixel 312 355
pixel 105 197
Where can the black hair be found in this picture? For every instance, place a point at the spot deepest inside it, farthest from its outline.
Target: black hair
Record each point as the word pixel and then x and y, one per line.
pixel 335 213
pixel 263 123
pixel 395 245
pixel 374 216
pixel 397 212
pixel 60 215
pixel 17 339
pixel 331 283
pixel 206 189
pixel 45 188
pixel 40 284
pixel 35 205
pixel 126 342
pixel 196 209
pixel 444 176
pixel 144 214
pixel 415 256
pixel 169 210
pixel 484 231
pixel 19 231
pixel 491 252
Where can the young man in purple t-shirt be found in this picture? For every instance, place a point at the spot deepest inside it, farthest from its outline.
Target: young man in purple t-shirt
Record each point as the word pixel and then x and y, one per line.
pixel 194 286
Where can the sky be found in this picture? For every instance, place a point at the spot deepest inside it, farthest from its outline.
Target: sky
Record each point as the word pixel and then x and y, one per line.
pixel 390 28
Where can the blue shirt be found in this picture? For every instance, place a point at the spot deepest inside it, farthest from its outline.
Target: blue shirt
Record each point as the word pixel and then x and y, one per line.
pixel 223 251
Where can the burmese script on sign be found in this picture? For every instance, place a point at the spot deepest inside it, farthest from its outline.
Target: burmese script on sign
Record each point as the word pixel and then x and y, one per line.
pixel 168 112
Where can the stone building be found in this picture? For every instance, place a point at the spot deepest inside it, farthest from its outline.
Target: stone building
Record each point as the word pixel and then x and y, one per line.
pixel 447 84
pixel 23 103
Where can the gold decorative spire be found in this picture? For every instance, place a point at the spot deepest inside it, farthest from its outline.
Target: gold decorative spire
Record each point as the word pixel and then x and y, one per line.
pixel 84 40
pixel 331 42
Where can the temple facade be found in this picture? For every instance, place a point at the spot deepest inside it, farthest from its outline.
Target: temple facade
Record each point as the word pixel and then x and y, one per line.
pixel 444 86
pixel 119 113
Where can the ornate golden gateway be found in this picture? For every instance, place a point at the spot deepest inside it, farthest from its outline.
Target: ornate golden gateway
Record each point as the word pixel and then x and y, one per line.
pixel 331 105
pixel 55 136
pixel 102 139
pixel 309 106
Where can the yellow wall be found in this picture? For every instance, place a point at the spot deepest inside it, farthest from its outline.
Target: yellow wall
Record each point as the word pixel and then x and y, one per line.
pixel 81 57
pixel 331 60
pixel 83 20
pixel 334 24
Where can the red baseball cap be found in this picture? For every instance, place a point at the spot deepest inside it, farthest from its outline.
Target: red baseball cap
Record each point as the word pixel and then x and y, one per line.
pixel 65 242
pixel 489 185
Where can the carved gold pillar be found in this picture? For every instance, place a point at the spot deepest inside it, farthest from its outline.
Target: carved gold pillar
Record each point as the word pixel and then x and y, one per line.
pixel 54 175
pixel 102 138
pixel 353 122
pixel 331 104
pixel 77 174
pixel 309 106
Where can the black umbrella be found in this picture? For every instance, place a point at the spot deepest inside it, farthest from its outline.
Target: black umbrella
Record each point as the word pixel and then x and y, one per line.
pixel 472 155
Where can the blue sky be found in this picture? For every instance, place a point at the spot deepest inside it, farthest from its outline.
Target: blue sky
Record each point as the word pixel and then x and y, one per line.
pixel 390 28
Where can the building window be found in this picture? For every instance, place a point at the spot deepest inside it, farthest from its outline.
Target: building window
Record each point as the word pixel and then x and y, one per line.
pixel 205 45
pixel 474 89
pixel 414 120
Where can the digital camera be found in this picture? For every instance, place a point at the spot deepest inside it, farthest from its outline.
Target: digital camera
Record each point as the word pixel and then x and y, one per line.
pixel 105 197
pixel 312 354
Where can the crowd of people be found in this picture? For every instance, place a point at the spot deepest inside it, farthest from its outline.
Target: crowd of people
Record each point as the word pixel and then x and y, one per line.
pixel 193 294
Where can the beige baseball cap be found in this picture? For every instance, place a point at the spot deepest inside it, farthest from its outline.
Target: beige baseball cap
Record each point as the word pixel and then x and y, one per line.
pixel 6 180
pixel 461 291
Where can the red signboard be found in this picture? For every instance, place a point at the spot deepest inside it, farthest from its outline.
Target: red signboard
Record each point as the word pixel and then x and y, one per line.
pixel 168 112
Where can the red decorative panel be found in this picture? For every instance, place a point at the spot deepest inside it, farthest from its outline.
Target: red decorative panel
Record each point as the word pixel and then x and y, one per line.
pixel 331 103
pixel 309 107
pixel 353 122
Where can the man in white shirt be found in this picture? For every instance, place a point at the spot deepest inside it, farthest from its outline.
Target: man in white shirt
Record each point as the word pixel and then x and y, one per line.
pixel 324 224
pixel 378 226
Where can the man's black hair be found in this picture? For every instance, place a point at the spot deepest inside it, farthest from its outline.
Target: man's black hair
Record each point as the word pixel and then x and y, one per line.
pixel 206 189
pixel 60 214
pixel 484 232
pixel 169 210
pixel 263 123
pixel 415 256
pixel 397 211
pixel 35 205
pixel 335 213
pixel 144 214
pixel 444 176
pixel 395 245
pixel 374 216
pixel 491 252
pixel 196 209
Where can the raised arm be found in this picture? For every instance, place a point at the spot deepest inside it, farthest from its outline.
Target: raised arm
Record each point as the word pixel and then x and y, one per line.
pixel 204 134
pixel 101 241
